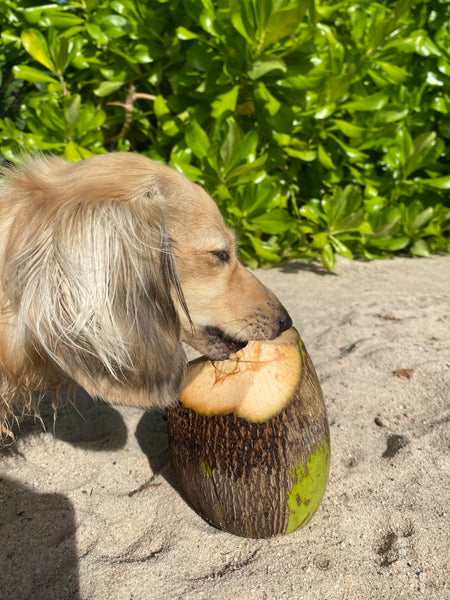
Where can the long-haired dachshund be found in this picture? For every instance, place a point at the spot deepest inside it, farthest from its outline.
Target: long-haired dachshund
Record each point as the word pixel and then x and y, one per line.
pixel 106 266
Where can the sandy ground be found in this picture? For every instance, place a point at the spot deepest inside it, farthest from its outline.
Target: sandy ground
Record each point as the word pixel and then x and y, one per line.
pixel 70 529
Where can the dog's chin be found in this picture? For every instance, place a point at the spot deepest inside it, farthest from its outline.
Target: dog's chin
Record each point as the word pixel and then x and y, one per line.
pixel 220 345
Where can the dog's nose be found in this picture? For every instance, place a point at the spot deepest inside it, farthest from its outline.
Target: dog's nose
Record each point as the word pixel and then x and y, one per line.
pixel 285 321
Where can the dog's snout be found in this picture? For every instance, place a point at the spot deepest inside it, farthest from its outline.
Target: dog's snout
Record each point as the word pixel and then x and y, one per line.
pixel 285 321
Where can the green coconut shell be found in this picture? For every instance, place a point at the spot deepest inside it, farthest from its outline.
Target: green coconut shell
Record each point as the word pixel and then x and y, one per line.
pixel 255 479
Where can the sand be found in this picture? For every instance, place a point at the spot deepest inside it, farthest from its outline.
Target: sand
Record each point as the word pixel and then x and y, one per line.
pixel 78 522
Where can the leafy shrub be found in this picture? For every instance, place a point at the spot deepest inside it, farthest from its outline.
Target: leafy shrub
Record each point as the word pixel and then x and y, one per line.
pixel 320 127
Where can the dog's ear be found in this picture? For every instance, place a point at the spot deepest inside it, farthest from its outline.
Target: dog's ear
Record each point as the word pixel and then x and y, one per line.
pixel 92 286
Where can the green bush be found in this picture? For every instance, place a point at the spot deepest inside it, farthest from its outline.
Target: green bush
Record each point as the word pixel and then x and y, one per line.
pixel 320 127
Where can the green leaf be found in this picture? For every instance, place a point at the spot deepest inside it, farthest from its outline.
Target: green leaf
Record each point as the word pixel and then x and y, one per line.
pixel 246 151
pixel 324 158
pixel 440 104
pixel 225 102
pixel 241 27
pixel 187 169
pixel 115 26
pixel 285 22
pixel 262 251
pixel 208 17
pixel 351 130
pixel 142 54
pixel 353 154
pixel 273 222
pixel 171 127
pixel 404 146
pixel 31 74
pixel 420 149
pixel 390 244
pixel 342 209
pixel 388 229
pixel 394 73
pixel 265 65
pixel 57 49
pixel 312 212
pixel 90 117
pixel 327 257
pixel 307 155
pixel 422 218
pixel 72 152
pixel 418 41
pixel 36 45
pixel 197 140
pixel 444 66
pixel 185 34
pixel 369 103
pixel 230 144
pixel 341 248
pixel 107 87
pixel 391 116
pixel 271 104
pixel 160 107
pixel 72 109
pixel 420 248
pixel 325 111
pixel 441 183
pixel 97 33
pixel 320 240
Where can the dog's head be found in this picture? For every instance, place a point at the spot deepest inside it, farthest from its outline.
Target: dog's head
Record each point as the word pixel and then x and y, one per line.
pixel 109 263
pixel 227 305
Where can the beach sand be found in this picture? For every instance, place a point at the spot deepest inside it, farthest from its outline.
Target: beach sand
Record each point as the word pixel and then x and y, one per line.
pixel 89 509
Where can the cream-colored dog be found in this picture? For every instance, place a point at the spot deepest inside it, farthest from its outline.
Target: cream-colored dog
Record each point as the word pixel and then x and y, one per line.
pixel 107 265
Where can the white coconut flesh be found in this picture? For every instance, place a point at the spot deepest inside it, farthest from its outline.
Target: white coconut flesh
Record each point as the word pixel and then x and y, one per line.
pixel 255 383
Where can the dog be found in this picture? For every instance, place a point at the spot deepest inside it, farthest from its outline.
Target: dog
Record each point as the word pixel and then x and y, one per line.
pixel 106 266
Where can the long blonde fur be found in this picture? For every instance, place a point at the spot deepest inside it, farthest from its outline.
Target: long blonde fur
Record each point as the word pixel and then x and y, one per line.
pixel 105 267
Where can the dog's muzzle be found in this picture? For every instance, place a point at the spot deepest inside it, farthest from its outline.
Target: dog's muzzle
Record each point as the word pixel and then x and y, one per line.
pixel 223 344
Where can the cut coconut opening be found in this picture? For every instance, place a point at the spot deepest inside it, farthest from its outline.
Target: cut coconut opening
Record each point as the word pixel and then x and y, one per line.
pixel 256 383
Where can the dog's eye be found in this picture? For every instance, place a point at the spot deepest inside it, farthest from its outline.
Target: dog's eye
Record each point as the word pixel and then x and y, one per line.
pixel 222 255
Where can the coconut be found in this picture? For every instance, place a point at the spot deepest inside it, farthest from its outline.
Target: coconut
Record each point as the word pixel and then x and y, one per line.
pixel 249 440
